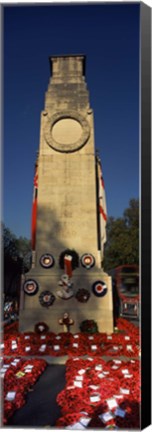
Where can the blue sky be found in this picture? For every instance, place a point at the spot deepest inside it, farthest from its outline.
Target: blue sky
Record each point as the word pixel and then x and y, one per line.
pixel 108 34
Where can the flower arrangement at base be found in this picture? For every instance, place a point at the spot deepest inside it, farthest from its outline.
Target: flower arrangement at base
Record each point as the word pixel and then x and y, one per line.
pixel 19 376
pixel 86 342
pixel 71 419
pixel 89 326
pixel 41 328
pixel 12 327
pixel 100 394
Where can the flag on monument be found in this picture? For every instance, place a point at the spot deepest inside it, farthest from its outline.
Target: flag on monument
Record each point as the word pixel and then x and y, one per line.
pixel 102 204
pixel 34 206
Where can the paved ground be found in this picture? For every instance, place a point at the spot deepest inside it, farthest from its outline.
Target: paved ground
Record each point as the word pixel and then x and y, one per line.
pixel 41 408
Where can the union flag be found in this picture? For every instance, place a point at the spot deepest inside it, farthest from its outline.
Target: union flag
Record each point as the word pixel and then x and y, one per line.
pixel 34 206
pixel 68 265
pixel 101 204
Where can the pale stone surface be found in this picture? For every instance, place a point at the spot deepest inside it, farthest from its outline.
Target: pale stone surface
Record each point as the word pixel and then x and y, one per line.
pixel 67 202
pixel 61 130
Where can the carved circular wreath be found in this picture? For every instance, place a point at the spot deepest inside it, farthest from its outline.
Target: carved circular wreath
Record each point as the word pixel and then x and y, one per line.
pixel 99 288
pixel 46 298
pixel 87 260
pixel 47 260
pixel 41 328
pixel 75 258
pixel 58 117
pixel 82 295
pixel 30 287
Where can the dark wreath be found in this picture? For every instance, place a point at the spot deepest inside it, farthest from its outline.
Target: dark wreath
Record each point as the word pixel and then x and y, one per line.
pixel 89 326
pixel 41 328
pixel 82 295
pixel 75 258
pixel 46 298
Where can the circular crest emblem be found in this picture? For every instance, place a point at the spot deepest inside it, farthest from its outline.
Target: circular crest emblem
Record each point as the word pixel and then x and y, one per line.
pixel 30 287
pixel 58 120
pixel 46 298
pixel 47 261
pixel 87 260
pixel 99 288
pixel 82 295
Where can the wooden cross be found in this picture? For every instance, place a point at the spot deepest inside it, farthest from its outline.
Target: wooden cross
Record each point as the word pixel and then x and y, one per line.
pixel 66 321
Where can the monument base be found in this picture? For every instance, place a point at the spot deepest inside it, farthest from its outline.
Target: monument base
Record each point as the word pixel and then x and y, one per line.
pixel 29 318
pixel 97 308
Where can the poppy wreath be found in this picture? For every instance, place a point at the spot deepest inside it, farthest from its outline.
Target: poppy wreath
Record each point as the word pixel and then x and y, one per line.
pixel 89 326
pixel 41 327
pixel 18 380
pixel 30 287
pixel 47 261
pixel 128 327
pixel 99 288
pixel 69 346
pixel 46 298
pixel 12 327
pixel 87 260
pixel 69 419
pixel 82 295
pixel 97 390
pixel 82 343
pixel 73 254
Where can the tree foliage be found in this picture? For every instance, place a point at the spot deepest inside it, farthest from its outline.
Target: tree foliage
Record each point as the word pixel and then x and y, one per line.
pixel 122 245
pixel 16 249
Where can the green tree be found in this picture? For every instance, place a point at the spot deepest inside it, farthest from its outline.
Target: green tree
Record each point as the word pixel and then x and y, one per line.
pixel 9 242
pixel 24 247
pixel 122 245
pixel 16 253
pixel 16 248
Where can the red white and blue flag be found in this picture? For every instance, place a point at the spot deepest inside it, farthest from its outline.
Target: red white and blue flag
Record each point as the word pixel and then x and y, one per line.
pixel 34 206
pixel 102 204
pixel 68 265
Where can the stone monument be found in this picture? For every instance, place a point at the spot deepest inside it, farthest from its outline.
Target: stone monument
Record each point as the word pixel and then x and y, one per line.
pixel 66 277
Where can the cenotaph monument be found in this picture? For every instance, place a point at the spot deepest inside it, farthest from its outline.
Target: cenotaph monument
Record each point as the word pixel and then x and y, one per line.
pixel 66 282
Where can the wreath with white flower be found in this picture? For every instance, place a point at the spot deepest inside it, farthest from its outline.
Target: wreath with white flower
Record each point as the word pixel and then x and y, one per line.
pixel 41 327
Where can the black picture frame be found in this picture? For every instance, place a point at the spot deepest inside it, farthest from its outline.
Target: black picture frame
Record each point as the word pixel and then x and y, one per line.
pixel 145 216
pixel 145 211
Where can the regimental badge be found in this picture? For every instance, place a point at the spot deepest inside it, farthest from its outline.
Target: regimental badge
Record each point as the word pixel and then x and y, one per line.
pixel 46 298
pixel 99 288
pixel 30 287
pixel 47 260
pixel 87 260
